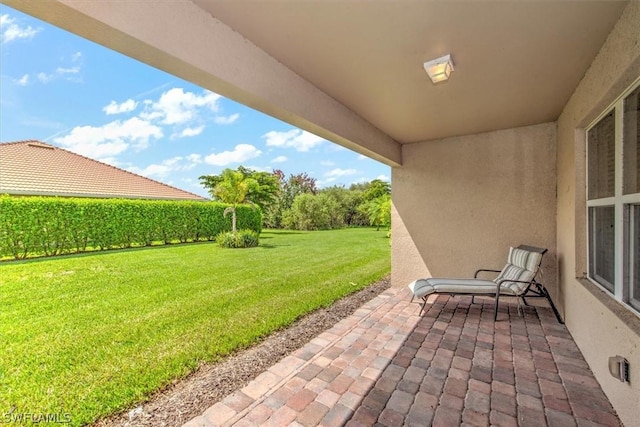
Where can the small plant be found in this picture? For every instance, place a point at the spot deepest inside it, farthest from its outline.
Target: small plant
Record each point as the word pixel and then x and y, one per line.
pixel 238 239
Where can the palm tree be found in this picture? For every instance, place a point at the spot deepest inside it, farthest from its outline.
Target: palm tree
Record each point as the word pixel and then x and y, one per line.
pixel 233 189
pixel 379 211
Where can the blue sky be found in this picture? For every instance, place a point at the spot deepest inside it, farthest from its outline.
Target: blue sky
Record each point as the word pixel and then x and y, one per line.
pixel 59 88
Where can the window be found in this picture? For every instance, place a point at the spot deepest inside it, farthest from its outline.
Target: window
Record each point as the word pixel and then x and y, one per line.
pixel 613 199
pixel 633 246
pixel 602 237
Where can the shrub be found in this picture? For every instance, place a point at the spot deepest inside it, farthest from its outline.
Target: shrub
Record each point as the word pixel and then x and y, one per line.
pixel 36 226
pixel 314 212
pixel 239 239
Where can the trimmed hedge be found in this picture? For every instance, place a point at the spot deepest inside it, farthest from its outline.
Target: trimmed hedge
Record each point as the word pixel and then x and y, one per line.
pixel 36 226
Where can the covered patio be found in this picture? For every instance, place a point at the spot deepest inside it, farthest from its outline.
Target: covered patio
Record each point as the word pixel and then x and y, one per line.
pixel 495 157
pixel 389 365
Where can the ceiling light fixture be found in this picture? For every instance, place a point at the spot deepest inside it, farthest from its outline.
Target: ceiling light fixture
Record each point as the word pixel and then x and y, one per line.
pixel 439 69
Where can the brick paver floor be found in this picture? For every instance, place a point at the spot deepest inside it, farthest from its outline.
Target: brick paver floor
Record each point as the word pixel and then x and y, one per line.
pixel 388 365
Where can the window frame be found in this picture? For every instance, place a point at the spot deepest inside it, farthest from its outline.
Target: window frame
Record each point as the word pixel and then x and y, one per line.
pixel 634 300
pixel 623 206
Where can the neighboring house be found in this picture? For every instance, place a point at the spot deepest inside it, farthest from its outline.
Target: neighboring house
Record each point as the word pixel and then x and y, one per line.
pixel 495 157
pixel 33 168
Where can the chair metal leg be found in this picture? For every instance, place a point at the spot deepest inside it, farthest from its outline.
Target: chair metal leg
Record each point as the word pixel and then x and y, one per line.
pixel 553 306
pixel 495 315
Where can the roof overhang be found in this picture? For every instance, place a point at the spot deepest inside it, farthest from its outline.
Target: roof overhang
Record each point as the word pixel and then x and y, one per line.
pixel 89 195
pixel 352 72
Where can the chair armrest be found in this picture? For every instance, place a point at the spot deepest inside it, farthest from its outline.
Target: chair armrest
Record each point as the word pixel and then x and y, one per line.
pixel 500 282
pixel 475 276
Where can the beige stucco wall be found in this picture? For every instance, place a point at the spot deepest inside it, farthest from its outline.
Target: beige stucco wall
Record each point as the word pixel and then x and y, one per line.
pixel 459 203
pixel 590 317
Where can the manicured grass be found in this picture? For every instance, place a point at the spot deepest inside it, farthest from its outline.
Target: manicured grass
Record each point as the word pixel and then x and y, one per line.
pixel 89 335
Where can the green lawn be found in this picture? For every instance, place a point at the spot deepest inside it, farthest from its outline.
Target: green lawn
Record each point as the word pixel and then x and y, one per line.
pixel 92 334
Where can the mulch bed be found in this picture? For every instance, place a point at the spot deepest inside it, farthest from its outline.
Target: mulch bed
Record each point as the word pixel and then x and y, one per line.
pixel 191 396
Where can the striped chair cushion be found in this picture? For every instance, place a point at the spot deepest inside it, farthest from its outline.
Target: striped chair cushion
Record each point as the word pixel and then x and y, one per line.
pixel 522 265
pixel 524 259
pixel 424 287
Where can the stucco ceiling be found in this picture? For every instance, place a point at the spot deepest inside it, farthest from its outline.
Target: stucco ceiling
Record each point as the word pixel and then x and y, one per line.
pixel 516 63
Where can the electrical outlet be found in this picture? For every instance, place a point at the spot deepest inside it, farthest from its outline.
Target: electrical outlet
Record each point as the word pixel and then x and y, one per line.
pixel 619 368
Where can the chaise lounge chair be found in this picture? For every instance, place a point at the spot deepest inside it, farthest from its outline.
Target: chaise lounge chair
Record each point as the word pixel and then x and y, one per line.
pixel 516 279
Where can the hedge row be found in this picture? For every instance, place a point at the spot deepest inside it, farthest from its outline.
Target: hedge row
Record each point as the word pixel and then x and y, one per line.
pixel 35 226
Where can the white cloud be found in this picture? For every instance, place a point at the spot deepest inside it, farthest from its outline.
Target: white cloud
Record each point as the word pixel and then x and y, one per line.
pixel 151 115
pixel 176 106
pixel 279 139
pixel 152 170
pixel 384 178
pixel 23 81
pixel 299 139
pixel 187 112
pixel 279 159
pixel 160 170
pixel 111 161
pixel 260 168
pixel 10 30
pixel 71 73
pixel 241 153
pixel 111 139
pixel 334 173
pixel 226 120
pixel 71 70
pixel 327 163
pixel 190 132
pixel 361 180
pixel 363 157
pixel 124 107
pixel 44 77
pixel 195 158
pixel 167 166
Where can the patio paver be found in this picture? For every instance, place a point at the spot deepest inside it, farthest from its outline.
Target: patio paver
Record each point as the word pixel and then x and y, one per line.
pixel 388 365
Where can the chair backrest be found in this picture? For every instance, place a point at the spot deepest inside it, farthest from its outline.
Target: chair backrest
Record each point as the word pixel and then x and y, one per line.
pixel 522 264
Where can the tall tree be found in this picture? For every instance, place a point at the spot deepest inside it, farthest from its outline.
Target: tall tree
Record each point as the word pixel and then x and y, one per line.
pixel 377 188
pixel 378 210
pixel 290 187
pixel 297 184
pixel 313 212
pixel 232 188
pixel 263 193
pixel 348 202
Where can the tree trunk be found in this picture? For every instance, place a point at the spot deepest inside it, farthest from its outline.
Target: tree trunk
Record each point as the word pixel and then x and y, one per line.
pixel 233 220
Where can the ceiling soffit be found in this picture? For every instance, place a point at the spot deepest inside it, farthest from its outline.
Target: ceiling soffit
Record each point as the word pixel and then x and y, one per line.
pixel 516 63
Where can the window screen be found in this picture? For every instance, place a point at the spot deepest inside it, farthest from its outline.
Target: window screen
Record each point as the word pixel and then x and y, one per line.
pixel 631 143
pixel 633 228
pixel 602 241
pixel 601 140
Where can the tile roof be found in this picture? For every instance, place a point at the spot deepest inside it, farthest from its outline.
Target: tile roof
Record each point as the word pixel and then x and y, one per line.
pixel 36 168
